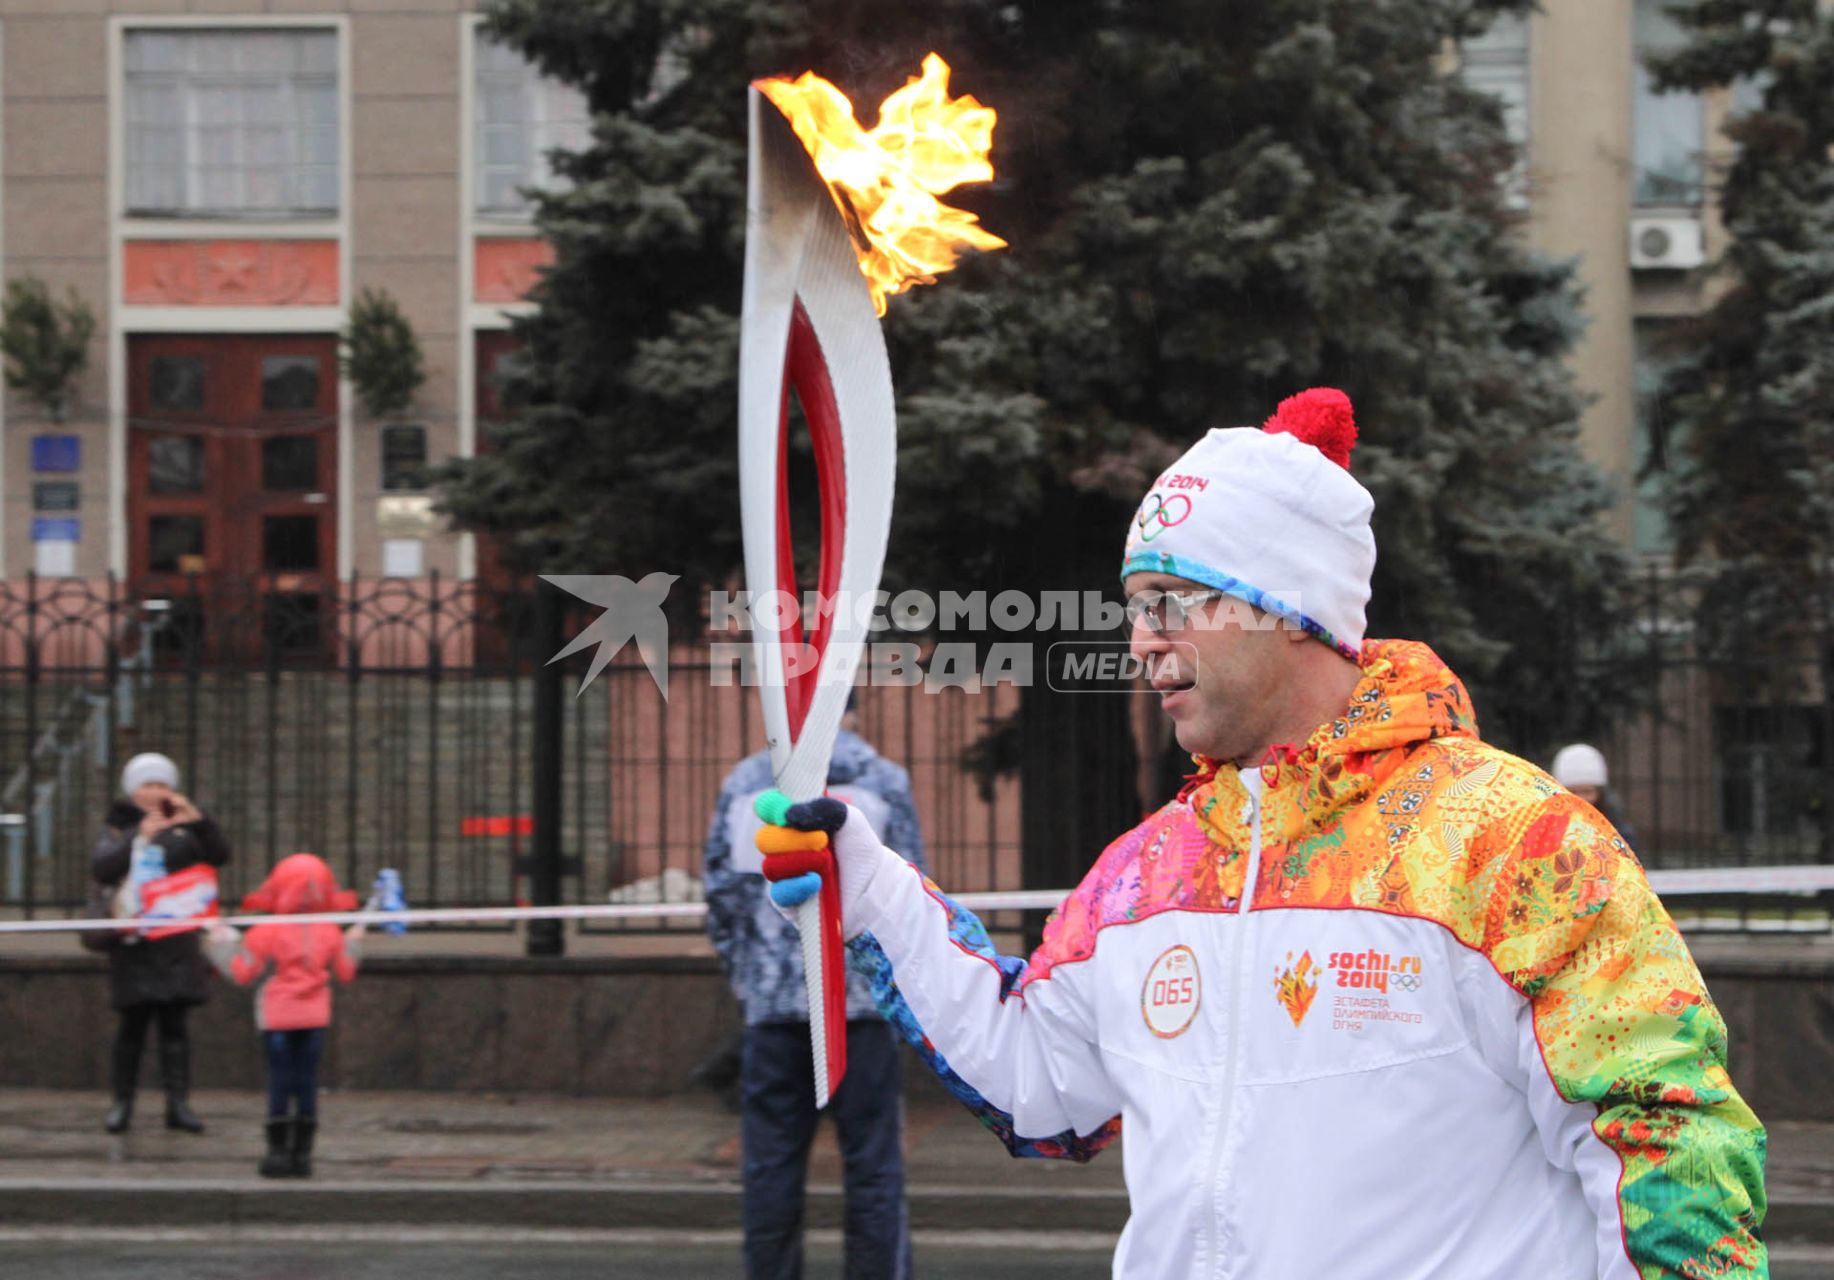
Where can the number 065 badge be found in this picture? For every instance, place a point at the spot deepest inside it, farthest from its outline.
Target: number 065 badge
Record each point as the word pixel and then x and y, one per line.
pixel 1172 992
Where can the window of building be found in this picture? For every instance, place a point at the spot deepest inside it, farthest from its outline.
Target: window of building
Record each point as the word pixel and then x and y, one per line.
pixel 289 463
pixel 289 382
pixel 404 458
pixel 1658 456
pixel 175 464
pixel 289 544
pixel 175 544
pixel 1772 780
pixel 232 123
pixel 177 383
pixel 1497 63
pixel 1669 128
pixel 521 115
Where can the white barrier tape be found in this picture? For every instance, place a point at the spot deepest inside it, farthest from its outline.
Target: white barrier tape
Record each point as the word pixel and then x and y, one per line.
pixel 1668 884
pixel 1030 900
pixel 1674 884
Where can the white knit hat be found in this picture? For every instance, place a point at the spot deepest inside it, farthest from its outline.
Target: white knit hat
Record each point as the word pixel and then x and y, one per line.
pixel 1580 765
pixel 1272 517
pixel 148 766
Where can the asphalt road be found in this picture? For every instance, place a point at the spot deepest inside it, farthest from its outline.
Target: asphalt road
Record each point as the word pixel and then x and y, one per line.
pixel 190 1255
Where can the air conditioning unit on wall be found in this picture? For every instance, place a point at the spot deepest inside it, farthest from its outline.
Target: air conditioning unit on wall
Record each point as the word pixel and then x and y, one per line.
pixel 1666 242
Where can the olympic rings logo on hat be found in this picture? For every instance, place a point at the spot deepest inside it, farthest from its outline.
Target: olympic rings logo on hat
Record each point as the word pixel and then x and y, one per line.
pixel 1156 514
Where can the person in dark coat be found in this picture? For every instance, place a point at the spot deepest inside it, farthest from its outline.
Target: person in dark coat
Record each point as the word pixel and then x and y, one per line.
pixel 152 830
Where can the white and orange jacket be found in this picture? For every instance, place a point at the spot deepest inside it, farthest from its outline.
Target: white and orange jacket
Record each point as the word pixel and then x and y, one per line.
pixel 1398 1006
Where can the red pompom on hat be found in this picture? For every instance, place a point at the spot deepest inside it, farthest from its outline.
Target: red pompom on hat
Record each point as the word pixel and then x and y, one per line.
pixel 1323 418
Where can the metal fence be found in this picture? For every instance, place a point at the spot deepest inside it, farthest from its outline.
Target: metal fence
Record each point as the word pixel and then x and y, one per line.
pixel 1720 756
pixel 388 723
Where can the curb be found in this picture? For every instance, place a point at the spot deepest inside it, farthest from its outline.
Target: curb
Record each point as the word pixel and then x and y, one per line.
pixel 556 1206
pixel 559 1205
pixel 1799 1220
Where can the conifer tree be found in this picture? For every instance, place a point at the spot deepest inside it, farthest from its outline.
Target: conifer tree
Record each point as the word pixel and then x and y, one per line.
pixel 1211 204
pixel 1749 396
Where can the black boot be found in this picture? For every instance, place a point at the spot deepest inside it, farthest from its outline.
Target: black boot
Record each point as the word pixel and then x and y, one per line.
pixel 175 1066
pixel 304 1130
pixel 123 1075
pixel 278 1162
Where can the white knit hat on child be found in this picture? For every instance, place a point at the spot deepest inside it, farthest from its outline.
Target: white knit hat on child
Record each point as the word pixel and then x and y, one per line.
pixel 1270 516
pixel 148 766
pixel 1580 764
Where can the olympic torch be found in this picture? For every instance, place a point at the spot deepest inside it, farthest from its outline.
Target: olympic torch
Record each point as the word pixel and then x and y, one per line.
pixel 836 219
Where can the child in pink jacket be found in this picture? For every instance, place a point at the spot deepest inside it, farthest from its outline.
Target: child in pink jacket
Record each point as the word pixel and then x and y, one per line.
pixel 294 965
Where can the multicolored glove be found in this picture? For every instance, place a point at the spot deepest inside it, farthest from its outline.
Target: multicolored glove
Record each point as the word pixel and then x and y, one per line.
pixel 802 841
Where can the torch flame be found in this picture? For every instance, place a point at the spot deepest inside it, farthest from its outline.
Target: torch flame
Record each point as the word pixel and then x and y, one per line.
pixel 886 181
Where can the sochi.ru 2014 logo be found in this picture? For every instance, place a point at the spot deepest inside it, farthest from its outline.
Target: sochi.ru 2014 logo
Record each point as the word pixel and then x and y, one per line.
pixel 1374 970
pixel 1172 992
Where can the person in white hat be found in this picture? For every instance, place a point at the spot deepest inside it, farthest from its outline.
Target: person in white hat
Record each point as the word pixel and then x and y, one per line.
pixel 1580 768
pixel 1370 998
pixel 153 830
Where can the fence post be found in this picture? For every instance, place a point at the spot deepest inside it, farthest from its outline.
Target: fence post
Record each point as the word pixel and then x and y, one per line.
pixel 546 937
pixel 353 668
pixel 1659 837
pixel 31 725
pixel 12 829
pixel 112 702
pixel 1825 853
pixel 196 623
pixel 435 667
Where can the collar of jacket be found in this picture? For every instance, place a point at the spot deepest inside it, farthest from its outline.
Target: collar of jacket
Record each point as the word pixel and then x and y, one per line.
pixel 1407 696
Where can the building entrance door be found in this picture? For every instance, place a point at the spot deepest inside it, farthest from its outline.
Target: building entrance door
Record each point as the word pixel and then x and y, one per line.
pixel 232 498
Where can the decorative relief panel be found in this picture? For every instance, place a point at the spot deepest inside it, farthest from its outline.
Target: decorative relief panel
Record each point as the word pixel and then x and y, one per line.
pixel 230 273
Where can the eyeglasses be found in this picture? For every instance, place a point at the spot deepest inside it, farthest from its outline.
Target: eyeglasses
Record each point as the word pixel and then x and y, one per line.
pixel 1167 611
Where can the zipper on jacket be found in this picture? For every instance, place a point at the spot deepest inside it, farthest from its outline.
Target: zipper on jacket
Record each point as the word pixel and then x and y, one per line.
pixel 1238 989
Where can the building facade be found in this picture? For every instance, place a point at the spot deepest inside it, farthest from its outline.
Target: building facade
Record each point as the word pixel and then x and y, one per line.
pixel 1620 179
pixel 218 180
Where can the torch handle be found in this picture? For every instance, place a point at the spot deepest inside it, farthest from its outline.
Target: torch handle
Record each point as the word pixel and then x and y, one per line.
pixel 824 970
pixel 808 924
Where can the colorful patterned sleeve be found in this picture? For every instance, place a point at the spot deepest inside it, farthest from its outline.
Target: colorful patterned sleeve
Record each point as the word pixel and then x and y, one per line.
pixel 1623 1051
pixel 969 937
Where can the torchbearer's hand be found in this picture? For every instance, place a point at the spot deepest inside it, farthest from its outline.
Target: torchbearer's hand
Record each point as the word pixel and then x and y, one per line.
pixel 795 840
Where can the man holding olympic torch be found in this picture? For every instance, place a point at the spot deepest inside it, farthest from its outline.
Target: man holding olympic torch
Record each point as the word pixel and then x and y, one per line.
pixel 1370 997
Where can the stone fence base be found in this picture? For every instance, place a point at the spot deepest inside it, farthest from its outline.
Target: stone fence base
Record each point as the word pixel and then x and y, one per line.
pixel 610 1027
pixel 636 1027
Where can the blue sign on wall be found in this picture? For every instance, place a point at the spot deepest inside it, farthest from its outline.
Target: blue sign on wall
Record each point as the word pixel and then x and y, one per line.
pixel 56 529
pixel 57 453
